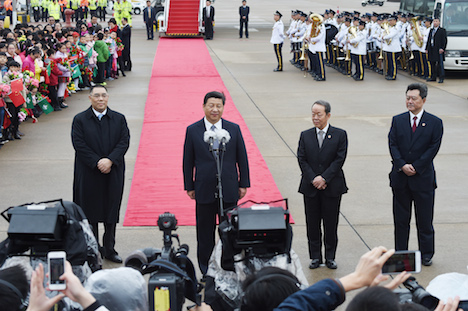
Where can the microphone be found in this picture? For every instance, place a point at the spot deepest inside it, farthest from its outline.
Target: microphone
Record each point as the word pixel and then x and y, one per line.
pixel 223 137
pixel 209 138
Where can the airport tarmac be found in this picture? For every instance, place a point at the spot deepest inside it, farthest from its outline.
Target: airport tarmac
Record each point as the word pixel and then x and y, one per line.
pixel 276 107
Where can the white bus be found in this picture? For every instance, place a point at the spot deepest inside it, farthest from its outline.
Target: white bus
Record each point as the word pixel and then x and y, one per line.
pixel 453 16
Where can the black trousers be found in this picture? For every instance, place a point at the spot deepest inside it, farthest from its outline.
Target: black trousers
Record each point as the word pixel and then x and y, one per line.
pixel 102 13
pixel 359 63
pixel 149 30
pixel 391 65
pixel 206 227
pixel 14 118
pixel 424 212
pixel 45 14
pixel 319 210
pixel 101 67
pixel 209 29
pixel 241 28
pixel 37 14
pixel 279 55
pixel 108 239
pixel 127 62
pixel 437 68
pixel 319 65
pixel 53 96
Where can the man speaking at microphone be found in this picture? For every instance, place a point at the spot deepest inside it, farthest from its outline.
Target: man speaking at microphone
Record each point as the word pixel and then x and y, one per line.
pixel 199 168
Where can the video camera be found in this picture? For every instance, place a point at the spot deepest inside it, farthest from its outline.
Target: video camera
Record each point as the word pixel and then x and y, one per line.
pixel 415 293
pixel 172 277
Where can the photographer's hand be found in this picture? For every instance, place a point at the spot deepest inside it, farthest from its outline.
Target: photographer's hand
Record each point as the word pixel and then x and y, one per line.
pixel 397 280
pixel 451 305
pixel 75 290
pixel 368 268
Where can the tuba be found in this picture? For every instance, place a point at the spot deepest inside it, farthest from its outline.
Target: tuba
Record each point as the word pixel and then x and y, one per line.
pixel 353 34
pixel 416 32
pixel 386 30
pixel 317 21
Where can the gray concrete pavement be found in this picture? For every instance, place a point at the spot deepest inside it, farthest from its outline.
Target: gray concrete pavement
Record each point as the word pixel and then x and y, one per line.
pixel 276 108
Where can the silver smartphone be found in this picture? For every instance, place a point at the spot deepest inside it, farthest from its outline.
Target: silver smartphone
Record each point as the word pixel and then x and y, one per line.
pixel 409 261
pixel 56 262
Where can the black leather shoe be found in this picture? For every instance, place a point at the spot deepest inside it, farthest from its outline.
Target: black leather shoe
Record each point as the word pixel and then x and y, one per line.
pixel 314 264
pixel 114 258
pixel 331 264
pixel 430 80
pixel 275 70
pixel 427 262
pixel 441 80
pixel 17 136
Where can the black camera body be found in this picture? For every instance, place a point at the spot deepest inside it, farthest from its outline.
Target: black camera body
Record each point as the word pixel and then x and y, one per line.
pixel 415 293
pixel 172 275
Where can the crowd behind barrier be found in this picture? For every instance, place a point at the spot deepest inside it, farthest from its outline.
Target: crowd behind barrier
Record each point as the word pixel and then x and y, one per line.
pixel 41 66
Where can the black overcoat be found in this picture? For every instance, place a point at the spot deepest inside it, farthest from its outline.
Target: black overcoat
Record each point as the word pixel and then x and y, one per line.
pixel 98 194
pixel 440 42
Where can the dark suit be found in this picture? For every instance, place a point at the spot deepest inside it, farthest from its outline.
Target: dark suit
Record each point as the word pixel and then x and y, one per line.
pixel 419 149
pixel 149 17
pixel 435 58
pixel 199 168
pixel 208 21
pixel 244 12
pixel 98 194
pixel 327 162
pixel 126 36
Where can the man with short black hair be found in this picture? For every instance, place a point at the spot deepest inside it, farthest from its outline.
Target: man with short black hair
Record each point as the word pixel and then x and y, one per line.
pixel 199 169
pixel 208 20
pixel 100 137
pixel 435 47
pixel 414 140
pixel 149 17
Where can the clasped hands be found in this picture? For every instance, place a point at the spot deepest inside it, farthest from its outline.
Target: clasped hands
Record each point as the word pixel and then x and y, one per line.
pixel 409 170
pixel 104 165
pixel 319 183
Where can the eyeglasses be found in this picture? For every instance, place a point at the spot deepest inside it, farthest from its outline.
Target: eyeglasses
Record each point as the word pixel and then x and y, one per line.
pixel 100 95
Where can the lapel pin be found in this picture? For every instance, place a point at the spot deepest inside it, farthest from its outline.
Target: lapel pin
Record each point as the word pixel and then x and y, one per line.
pixel 424 124
pixel 329 136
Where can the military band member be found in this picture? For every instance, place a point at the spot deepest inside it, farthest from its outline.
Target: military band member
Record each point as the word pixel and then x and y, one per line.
pixel 277 38
pixel 425 32
pixel 342 38
pixel 317 47
pixel 300 35
pixel 290 33
pixel 358 51
pixel 391 46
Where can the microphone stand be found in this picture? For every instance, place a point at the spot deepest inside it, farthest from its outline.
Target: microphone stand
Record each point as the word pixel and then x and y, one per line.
pixel 219 168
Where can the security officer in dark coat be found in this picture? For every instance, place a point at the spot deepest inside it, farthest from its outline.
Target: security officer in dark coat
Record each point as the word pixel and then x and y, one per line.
pixel 126 36
pixel 244 11
pixel 435 47
pixel 100 137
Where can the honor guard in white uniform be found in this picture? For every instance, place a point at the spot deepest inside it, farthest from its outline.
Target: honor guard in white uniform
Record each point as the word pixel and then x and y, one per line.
pixel 425 29
pixel 374 27
pixel 391 46
pixel 277 39
pixel 300 35
pixel 358 51
pixel 291 32
pixel 342 37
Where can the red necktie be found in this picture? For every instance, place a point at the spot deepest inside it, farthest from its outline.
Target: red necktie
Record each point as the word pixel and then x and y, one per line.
pixel 414 124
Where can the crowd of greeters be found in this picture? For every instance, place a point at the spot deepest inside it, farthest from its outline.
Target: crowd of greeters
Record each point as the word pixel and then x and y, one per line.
pixel 43 65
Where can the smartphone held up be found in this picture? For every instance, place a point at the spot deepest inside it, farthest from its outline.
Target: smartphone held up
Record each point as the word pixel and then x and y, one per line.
pixel 56 263
pixel 409 261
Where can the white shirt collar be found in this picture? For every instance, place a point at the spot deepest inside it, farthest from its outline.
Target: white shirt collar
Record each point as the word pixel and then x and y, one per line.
pixel 419 115
pixel 325 129
pixel 97 113
pixel 208 124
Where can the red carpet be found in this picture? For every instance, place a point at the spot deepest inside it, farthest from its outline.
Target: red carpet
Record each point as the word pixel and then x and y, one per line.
pixel 183 73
